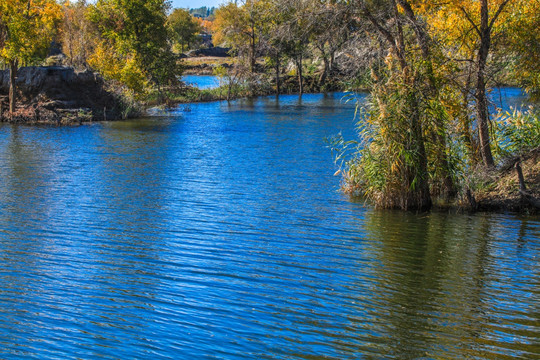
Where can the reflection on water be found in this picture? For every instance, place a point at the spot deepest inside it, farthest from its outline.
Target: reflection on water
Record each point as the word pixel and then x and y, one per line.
pixel 220 233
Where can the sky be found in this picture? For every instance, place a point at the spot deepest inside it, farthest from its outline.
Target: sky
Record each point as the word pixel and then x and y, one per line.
pixel 195 3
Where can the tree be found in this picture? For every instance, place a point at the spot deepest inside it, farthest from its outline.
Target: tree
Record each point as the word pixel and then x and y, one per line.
pixel 293 33
pixel 239 27
pixel 523 44
pixel 182 27
pixel 26 31
pixel 78 34
pixel 397 154
pixel 134 46
pixel 270 40
pixel 331 27
pixel 475 24
pixel 230 26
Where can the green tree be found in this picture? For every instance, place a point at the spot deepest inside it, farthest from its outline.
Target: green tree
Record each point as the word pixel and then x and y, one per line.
pixel 182 27
pixel 293 32
pixel 135 31
pixel 269 39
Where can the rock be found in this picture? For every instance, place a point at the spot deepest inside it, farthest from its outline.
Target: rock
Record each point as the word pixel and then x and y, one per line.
pixel 57 87
pixel 213 51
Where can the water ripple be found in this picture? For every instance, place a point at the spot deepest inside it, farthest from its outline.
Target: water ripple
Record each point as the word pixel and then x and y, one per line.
pixel 220 234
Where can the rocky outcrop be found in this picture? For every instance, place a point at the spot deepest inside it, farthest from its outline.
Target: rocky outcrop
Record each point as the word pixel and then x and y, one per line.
pixel 56 94
pixel 215 51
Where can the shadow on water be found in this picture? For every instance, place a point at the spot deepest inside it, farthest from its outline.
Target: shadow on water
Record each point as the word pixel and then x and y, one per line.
pixel 440 282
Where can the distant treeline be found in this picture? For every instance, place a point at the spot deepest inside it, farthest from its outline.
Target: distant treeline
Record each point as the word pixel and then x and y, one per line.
pixel 202 12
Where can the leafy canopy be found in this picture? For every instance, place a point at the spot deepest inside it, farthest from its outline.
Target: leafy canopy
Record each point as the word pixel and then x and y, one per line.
pixel 134 48
pixel 182 27
pixel 27 28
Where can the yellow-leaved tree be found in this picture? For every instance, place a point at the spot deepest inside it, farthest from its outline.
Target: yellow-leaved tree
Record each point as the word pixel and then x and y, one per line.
pixel 26 31
pixel 239 27
pixel 523 44
pixel 470 31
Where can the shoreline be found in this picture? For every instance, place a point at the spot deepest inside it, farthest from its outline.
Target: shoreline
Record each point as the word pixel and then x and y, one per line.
pixel 40 114
pixel 496 192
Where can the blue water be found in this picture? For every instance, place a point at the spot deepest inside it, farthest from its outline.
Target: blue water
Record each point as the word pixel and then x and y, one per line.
pixel 507 99
pixel 221 233
pixel 202 81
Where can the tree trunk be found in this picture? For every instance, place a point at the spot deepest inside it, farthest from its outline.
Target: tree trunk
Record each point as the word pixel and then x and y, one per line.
pixel 324 74
pixel 481 98
pixel 332 63
pixel 277 74
pixel 252 49
pixel 483 119
pixel 300 77
pixel 12 86
pixel 418 197
pixel 439 134
pixel 466 129
pixel 415 189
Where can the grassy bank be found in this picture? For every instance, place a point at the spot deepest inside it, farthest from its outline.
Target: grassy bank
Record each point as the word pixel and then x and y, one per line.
pixel 500 190
pixel 205 65
pixel 516 142
pixel 261 86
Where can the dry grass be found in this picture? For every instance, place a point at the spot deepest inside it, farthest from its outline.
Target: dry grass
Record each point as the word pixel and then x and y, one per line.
pixel 210 60
pixel 500 190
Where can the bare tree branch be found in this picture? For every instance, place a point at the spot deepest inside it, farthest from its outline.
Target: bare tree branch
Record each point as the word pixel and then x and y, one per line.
pixel 499 11
pixel 470 21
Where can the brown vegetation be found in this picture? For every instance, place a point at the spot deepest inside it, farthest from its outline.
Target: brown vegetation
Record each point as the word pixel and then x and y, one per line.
pixel 500 190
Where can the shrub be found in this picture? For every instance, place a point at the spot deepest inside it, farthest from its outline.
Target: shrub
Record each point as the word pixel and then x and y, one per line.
pixel 516 132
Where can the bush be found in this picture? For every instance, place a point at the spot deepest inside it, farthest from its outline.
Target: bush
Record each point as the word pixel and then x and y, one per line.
pixel 516 132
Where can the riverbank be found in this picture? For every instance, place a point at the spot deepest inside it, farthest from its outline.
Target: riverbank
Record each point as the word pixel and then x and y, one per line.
pixel 263 85
pixel 499 190
pixel 496 191
pixel 205 65
pixel 502 191
pixel 59 95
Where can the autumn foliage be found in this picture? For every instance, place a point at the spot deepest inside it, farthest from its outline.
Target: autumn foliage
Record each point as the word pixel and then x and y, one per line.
pixel 26 30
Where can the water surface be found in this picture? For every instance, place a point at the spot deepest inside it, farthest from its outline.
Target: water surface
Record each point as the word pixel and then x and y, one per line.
pixel 219 233
pixel 507 99
pixel 202 81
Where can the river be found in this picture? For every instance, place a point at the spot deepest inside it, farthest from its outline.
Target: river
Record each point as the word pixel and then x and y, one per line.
pixel 219 232
pixel 202 81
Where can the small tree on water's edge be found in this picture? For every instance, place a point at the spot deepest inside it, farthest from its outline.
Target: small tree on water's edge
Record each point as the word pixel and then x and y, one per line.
pixel 26 32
